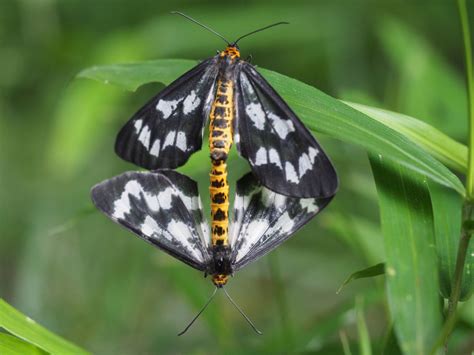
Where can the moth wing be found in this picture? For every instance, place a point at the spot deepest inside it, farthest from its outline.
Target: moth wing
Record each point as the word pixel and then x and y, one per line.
pixel 263 219
pixel 283 154
pixel 162 208
pixel 168 129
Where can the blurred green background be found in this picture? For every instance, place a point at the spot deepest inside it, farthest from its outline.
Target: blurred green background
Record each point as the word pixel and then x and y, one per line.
pixel 86 279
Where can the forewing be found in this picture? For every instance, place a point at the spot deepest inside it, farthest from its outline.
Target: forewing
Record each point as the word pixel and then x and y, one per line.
pixel 282 152
pixel 162 208
pixel 169 128
pixel 264 219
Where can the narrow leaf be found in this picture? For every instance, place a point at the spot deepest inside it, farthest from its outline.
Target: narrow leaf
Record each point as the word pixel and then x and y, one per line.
pixel 25 328
pixel 317 110
pixel 371 271
pixel 10 345
pixel 448 151
pixel 132 76
pixel 412 279
pixel 365 348
pixel 345 343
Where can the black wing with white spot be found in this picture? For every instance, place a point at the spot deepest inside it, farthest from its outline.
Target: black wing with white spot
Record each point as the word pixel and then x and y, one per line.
pixel 282 152
pixel 151 205
pixel 169 128
pixel 264 219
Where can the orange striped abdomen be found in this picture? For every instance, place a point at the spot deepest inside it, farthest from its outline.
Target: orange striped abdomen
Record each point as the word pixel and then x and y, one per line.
pixel 220 141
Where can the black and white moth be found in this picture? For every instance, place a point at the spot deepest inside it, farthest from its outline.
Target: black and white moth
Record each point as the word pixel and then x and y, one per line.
pixel 282 153
pixel 164 208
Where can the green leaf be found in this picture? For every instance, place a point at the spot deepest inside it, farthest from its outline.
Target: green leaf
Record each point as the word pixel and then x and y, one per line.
pixel 411 270
pixel 346 348
pixel 371 271
pixel 447 210
pixel 317 110
pixel 10 345
pixel 448 151
pixel 26 328
pixel 132 76
pixel 365 348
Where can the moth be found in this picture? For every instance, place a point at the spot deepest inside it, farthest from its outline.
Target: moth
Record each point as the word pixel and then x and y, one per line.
pixel 164 208
pixel 245 110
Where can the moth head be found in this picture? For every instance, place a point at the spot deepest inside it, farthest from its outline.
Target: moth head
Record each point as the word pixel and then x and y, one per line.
pixel 219 280
pixel 232 51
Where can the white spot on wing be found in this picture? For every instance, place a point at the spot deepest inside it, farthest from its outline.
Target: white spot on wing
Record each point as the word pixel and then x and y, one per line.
pixel 275 158
pixel 180 138
pixel 144 137
pixel 133 188
pixel 181 141
pixel 254 230
pixel 190 202
pixel 306 161
pixel 155 148
pixel 122 205
pixel 261 157
pixel 138 125
pixel 309 204
pixel 304 164
pixel 291 173
pixel 164 198
pixel 149 226
pixel 256 115
pixel 273 200
pixel 191 102
pixel 167 107
pixel 313 152
pixel 169 140
pixel 282 127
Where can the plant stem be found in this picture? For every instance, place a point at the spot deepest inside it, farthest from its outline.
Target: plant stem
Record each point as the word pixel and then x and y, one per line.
pixel 470 93
pixel 466 232
pixel 468 208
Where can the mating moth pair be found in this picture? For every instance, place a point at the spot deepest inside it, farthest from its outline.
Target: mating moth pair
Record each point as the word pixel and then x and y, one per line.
pixel 291 178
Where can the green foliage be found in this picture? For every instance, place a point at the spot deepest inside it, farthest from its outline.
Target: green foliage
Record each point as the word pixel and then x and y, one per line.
pixel 10 345
pixel 95 284
pixel 371 271
pixel 365 348
pixel 34 335
pixel 412 280
pixel 448 151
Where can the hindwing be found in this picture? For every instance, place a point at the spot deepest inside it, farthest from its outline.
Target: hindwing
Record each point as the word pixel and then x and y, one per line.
pixel 263 219
pixel 163 208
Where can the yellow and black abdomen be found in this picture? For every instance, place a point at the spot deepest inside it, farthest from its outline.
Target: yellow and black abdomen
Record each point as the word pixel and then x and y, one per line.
pixel 220 141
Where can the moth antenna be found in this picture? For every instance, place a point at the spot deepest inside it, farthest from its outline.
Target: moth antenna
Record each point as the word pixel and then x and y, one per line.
pixel 197 315
pixel 200 24
pixel 259 30
pixel 242 312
